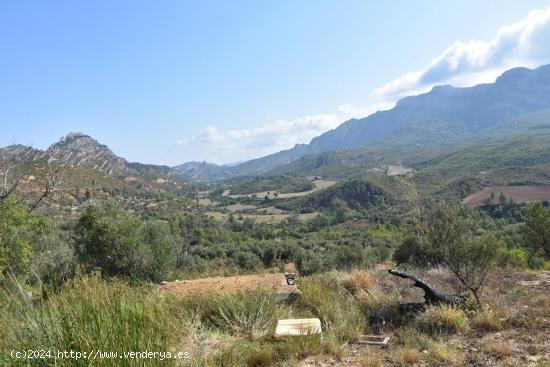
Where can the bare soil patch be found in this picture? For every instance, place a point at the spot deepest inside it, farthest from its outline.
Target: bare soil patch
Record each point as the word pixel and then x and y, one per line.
pixel 520 194
pixel 275 283
pixel 238 207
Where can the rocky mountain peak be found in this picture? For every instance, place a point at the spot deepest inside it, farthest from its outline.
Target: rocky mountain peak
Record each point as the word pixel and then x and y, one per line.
pixel 76 140
pixel 80 150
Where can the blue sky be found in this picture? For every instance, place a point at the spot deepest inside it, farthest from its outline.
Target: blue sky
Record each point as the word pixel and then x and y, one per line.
pixel 173 81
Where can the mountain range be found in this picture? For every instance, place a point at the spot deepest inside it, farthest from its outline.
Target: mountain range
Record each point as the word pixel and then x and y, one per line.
pixel 418 128
pixel 441 118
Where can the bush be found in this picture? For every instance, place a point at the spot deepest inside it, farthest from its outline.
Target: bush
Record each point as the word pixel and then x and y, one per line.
pixel 410 251
pixel 108 238
pixel 54 260
pixel 520 258
pixel 20 232
pixel 516 257
pixel 447 234
pixel 442 319
pixel 347 257
pixel 310 264
pixel 249 261
pixel 537 229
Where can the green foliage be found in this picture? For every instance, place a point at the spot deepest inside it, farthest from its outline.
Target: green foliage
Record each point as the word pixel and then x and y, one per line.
pixel 410 251
pixel 118 243
pixel 281 184
pixel 339 313
pixel 354 194
pixel 88 314
pixel 537 229
pixel 447 235
pixel 20 233
pixel 516 257
pixel 54 261
pixel 250 315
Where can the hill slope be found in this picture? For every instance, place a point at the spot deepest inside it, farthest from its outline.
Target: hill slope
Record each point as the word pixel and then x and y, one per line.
pixel 444 116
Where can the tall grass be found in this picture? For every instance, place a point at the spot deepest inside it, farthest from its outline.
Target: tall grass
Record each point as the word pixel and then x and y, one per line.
pixel 88 315
pixel 338 311
pixel 91 314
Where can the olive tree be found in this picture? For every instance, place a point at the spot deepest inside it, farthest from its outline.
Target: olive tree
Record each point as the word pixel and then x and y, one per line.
pixel 20 230
pixel 536 230
pixel 120 244
pixel 448 235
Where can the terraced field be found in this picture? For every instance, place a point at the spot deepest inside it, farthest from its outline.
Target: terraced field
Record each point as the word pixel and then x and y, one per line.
pixel 520 194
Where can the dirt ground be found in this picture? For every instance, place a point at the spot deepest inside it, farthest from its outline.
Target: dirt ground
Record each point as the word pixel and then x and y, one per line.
pixel 520 194
pixel 226 285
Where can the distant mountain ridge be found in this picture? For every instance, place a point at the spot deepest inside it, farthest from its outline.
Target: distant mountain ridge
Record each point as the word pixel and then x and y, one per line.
pixel 204 171
pixel 445 115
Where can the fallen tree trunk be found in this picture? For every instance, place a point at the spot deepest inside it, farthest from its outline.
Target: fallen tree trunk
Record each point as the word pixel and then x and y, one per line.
pixel 431 295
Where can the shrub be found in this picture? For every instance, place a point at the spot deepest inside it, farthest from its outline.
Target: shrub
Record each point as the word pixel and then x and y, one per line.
pixel 517 257
pixel 310 264
pixel 249 261
pixel 347 257
pixel 20 232
pixel 410 251
pixel 118 243
pixel 442 319
pixel 536 230
pixel 447 234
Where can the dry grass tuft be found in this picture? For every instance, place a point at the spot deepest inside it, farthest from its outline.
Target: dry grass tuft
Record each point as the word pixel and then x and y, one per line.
pixel 442 319
pixel 359 280
pixel 501 349
pixel 369 361
pixel 443 353
pixel 487 320
pixel 409 356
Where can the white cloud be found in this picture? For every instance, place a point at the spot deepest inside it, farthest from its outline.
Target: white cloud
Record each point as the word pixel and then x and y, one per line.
pixel 525 43
pixel 226 146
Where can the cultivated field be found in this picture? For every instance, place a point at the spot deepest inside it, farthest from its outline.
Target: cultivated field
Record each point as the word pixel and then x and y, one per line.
pixel 261 218
pixel 520 194
pixel 319 185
